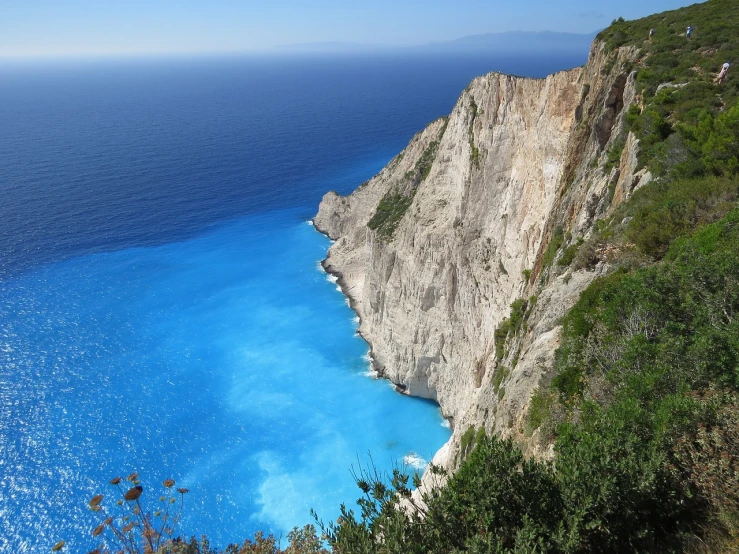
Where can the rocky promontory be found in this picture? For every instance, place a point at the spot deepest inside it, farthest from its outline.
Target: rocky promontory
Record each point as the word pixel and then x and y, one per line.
pixel 471 205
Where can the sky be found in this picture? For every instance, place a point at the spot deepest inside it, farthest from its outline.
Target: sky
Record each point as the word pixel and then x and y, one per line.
pixel 50 28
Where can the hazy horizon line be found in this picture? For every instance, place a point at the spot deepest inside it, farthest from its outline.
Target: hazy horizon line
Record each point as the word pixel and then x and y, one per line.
pixel 323 47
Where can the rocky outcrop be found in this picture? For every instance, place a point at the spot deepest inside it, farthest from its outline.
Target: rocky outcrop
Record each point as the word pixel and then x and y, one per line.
pixel 433 250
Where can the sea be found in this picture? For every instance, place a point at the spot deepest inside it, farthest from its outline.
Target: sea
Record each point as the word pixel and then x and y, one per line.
pixel 162 305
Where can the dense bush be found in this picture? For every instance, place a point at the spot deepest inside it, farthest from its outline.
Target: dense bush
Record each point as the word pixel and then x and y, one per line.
pixel 598 498
pixel 511 325
pixel 497 501
pixel 669 209
pixel 555 243
pixel 389 212
pixel 641 352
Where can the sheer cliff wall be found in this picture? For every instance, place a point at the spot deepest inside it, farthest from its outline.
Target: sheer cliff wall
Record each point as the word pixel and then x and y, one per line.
pixel 433 250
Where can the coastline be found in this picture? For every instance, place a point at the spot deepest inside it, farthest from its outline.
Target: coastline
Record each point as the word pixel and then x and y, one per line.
pixel 379 372
pixel 442 456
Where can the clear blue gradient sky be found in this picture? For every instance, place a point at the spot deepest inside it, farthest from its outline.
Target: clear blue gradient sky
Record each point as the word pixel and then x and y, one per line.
pixel 100 27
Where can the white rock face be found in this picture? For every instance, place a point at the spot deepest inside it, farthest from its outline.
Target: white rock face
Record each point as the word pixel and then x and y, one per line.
pixel 516 159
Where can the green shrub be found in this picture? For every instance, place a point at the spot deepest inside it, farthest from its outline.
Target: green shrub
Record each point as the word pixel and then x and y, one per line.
pixel 632 115
pixel 570 253
pixel 500 375
pixel 518 313
pixel 423 165
pixel 467 441
pixel 614 154
pixel 665 211
pixel 511 325
pixel 538 413
pixel 499 337
pixel 389 212
pixel 474 150
pixel 553 247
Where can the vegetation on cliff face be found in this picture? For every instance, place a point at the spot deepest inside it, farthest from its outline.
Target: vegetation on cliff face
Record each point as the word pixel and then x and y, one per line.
pixel 510 326
pixel 395 202
pixel 474 150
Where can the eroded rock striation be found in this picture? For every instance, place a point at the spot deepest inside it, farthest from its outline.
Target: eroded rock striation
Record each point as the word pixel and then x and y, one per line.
pixel 476 213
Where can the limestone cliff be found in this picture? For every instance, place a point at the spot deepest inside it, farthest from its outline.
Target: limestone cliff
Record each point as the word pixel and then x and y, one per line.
pixel 433 250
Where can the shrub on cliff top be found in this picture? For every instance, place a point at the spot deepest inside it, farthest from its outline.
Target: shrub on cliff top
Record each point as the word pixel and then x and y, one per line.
pixel 666 210
pixel 599 497
pixel 642 359
pixel 685 70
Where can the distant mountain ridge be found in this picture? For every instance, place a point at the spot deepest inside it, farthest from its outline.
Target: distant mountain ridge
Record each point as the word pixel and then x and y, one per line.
pixel 510 40
pixel 330 46
pixel 518 40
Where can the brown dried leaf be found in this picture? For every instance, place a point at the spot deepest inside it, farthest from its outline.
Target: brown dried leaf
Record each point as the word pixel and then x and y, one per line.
pixel 133 493
pixel 99 529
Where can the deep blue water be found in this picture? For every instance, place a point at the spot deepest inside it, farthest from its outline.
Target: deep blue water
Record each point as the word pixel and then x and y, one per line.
pixel 161 304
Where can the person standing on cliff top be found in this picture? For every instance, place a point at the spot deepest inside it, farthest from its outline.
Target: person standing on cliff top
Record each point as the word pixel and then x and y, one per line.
pixel 688 31
pixel 722 74
pixel 651 33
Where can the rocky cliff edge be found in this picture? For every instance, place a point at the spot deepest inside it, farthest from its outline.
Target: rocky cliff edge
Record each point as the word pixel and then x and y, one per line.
pixel 475 214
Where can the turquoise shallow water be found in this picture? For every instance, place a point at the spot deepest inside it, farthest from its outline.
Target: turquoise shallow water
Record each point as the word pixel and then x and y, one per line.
pixel 225 362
